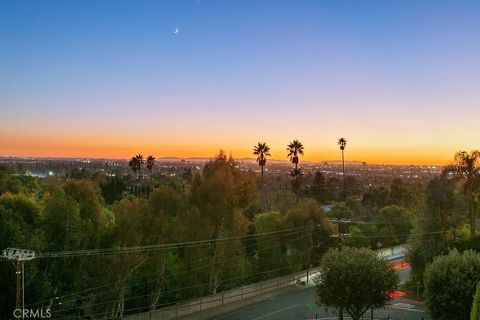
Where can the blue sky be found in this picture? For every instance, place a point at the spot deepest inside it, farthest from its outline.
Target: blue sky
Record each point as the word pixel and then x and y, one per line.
pixel 397 75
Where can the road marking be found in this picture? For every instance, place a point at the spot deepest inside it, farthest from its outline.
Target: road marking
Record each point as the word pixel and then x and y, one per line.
pixel 408 309
pixel 275 312
pixel 402 305
pixel 334 318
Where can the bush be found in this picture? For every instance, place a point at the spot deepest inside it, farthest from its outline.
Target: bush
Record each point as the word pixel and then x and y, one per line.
pixel 450 283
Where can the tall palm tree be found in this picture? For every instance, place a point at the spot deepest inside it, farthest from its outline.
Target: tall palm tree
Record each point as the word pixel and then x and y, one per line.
pixel 136 163
pixel 133 165
pixel 342 142
pixel 140 162
pixel 150 163
pixel 294 148
pixel 262 151
pixel 467 167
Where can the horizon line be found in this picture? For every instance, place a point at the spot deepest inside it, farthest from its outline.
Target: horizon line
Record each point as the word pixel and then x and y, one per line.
pixel 237 158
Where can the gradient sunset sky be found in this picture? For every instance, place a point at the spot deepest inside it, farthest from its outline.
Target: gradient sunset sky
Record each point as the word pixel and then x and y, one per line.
pixel 399 79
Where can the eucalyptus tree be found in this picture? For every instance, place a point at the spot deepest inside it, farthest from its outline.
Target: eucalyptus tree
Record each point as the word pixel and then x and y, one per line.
pixel 262 151
pixel 466 167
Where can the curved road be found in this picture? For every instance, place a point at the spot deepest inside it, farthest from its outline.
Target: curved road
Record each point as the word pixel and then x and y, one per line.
pixel 300 304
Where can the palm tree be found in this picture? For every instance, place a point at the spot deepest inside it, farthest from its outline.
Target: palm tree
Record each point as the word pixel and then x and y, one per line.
pixel 342 142
pixel 136 163
pixel 294 148
pixel 467 167
pixel 150 163
pixel 140 162
pixel 262 151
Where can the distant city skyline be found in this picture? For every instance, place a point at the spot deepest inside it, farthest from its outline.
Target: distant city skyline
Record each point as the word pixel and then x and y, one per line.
pixel 397 79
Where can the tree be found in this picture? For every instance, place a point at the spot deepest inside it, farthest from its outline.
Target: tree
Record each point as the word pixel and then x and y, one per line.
pixel 163 206
pixel 136 163
pixel 315 238
pixel 21 227
pixel 340 211
pixel 262 151
pixel 296 182
pixel 342 142
pixel 318 189
pixel 87 195
pixel 271 254
pixel 375 198
pixel 334 188
pixel 475 312
pixel 467 167
pixel 397 218
pixel 357 238
pixel 402 195
pixel 450 283
pixel 440 216
pixel 294 148
pixel 354 280
pixel 352 186
pixel 70 234
pixel 222 193
pixel 130 230
pixel 150 163
pixel 281 200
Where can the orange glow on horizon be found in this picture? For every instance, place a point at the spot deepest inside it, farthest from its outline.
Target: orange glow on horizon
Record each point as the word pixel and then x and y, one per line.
pixel 119 151
pixel 119 145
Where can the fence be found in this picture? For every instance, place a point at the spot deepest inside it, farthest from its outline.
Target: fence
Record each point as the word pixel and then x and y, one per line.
pixel 200 304
pixel 219 299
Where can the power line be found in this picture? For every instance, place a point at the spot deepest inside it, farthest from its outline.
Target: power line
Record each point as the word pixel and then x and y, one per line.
pixel 272 237
pixel 188 271
pixel 184 288
pixel 182 301
pixel 106 251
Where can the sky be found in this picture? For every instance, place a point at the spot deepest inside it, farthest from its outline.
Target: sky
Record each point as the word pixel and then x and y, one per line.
pixel 398 78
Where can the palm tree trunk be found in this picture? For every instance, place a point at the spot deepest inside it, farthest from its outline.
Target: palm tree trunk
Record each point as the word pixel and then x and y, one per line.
pixel 263 194
pixel 344 178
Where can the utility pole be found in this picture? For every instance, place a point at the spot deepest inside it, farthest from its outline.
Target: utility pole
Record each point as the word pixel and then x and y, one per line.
pixel 19 256
pixel 339 236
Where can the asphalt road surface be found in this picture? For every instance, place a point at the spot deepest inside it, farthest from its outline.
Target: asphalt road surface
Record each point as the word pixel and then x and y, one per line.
pixel 300 304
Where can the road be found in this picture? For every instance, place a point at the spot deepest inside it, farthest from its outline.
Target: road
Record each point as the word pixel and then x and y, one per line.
pixel 300 304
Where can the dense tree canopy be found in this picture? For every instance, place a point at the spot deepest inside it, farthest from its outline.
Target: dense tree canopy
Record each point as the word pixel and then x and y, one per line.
pixel 107 208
